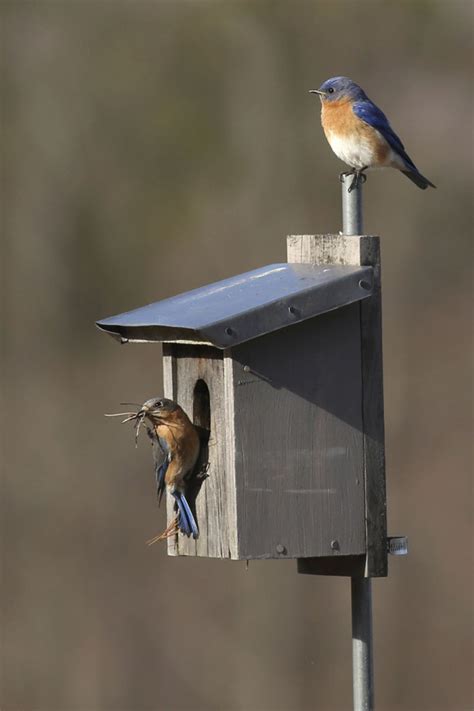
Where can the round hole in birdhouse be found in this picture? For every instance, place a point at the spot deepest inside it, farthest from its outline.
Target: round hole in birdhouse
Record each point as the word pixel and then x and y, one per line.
pixel 202 405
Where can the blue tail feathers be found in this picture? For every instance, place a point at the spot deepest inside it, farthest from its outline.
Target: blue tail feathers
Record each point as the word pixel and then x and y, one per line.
pixel 419 179
pixel 186 521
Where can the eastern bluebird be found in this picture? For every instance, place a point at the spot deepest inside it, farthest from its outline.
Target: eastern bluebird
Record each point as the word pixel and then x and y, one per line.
pixel 176 448
pixel 359 132
pixel 180 444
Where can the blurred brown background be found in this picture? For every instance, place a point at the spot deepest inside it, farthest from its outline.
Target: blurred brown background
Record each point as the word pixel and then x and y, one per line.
pixel 152 147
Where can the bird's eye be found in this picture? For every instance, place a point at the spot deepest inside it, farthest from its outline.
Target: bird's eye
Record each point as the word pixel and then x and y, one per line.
pixel 330 90
pixel 159 403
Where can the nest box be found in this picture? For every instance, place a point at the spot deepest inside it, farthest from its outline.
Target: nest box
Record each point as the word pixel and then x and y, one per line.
pixel 283 366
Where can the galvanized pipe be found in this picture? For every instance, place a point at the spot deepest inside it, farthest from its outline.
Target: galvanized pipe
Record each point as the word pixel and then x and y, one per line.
pixel 361 589
pixel 362 654
pixel 352 222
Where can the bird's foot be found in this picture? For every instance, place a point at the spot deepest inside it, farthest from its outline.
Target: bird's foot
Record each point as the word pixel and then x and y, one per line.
pixel 358 178
pixel 170 530
pixel 345 174
pixel 203 472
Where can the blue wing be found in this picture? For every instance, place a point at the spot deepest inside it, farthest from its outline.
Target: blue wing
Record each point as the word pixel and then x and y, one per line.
pixel 373 116
pixel 161 459
pixel 160 473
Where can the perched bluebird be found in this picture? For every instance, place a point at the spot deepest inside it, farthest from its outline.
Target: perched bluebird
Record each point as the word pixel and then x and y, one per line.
pixel 359 132
pixel 180 445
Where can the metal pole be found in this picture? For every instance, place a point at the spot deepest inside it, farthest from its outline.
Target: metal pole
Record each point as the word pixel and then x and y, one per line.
pixel 361 589
pixel 362 655
pixel 352 223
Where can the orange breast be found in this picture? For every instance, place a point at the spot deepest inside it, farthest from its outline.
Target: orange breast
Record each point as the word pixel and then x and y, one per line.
pixel 337 117
pixel 183 446
pixel 339 120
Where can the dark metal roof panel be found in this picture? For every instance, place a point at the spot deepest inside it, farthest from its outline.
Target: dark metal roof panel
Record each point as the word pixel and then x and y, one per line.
pixel 246 306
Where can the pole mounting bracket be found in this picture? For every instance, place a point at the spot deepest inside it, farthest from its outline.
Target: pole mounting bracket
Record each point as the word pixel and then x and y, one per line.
pixel 397 545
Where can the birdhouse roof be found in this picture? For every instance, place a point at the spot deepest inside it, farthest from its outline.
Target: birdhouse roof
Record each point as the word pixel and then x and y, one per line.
pixel 246 306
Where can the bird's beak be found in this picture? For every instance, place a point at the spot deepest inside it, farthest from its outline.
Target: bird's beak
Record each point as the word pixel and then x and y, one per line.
pixel 316 91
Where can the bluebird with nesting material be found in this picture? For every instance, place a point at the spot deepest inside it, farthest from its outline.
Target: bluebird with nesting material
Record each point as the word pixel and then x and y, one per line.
pixel 359 132
pixel 180 444
pixel 176 449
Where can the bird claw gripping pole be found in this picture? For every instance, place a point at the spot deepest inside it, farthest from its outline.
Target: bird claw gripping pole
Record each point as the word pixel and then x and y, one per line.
pixel 359 178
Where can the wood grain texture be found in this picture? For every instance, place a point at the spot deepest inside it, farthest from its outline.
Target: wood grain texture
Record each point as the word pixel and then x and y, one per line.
pixel 298 439
pixel 361 250
pixel 185 365
pixel 169 390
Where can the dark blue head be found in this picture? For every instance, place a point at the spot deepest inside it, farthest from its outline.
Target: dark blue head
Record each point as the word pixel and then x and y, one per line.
pixel 339 88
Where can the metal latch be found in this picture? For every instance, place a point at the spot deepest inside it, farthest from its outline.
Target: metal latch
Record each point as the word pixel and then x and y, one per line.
pixel 397 545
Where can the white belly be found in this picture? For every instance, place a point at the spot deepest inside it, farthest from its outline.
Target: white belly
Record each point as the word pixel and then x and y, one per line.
pixel 357 153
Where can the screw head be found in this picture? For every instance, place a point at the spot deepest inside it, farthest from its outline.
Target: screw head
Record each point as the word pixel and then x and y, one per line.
pixel 364 285
pixel 280 549
pixel 335 545
pixel 229 331
pixel 246 369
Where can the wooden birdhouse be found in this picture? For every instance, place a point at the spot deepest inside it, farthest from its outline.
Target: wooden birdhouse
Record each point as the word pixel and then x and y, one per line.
pixel 283 366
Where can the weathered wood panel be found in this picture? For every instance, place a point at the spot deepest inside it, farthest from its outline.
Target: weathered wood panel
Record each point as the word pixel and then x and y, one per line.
pixel 298 432
pixel 362 250
pixel 169 390
pixel 185 365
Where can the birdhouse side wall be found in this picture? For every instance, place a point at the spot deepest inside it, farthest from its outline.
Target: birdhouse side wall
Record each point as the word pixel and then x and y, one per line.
pixel 360 250
pixel 299 440
pixel 186 367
